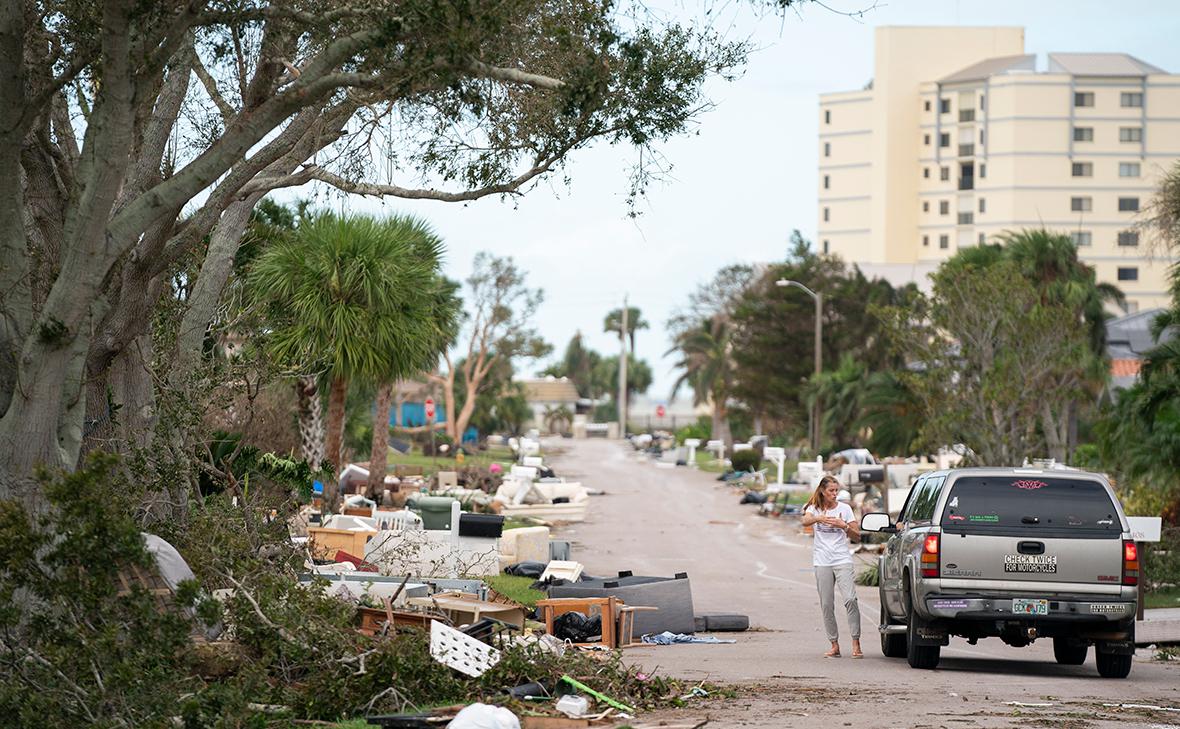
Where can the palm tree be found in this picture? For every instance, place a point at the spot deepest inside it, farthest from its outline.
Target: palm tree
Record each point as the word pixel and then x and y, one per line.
pixel 707 360
pixel 635 321
pixel 357 295
pixel 556 415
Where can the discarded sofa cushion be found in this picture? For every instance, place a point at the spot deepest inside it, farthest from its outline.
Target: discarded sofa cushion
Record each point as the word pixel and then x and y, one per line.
pixel 673 597
pixel 724 622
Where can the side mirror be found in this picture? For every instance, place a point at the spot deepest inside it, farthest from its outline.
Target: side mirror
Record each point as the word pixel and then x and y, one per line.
pixel 877 522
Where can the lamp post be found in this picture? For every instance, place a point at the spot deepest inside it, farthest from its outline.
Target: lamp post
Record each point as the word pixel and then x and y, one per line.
pixel 813 426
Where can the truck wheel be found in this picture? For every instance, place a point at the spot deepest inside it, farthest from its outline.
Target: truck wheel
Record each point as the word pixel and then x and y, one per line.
pixel 892 644
pixel 1113 665
pixel 919 656
pixel 1069 651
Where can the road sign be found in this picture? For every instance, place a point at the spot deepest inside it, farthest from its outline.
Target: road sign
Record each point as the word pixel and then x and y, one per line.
pixel 429 408
pixel 660 411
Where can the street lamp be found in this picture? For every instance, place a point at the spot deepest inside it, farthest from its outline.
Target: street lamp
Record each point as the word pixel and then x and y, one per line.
pixel 813 426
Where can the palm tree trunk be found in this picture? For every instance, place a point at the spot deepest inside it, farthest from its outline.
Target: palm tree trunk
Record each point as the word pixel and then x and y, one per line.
pixel 380 444
pixel 335 436
pixel 311 421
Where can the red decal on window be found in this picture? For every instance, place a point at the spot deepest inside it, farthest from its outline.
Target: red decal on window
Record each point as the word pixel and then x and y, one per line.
pixel 1029 485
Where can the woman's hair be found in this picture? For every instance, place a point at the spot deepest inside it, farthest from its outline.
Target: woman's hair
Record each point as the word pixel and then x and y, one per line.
pixel 817 496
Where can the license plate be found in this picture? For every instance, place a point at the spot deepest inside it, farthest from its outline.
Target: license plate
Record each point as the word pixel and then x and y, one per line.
pixel 1022 606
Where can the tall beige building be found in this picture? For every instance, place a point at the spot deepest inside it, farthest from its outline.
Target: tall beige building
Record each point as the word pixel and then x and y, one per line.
pixel 958 137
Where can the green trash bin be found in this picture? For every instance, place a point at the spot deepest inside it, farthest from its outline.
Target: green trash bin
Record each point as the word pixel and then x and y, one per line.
pixel 434 510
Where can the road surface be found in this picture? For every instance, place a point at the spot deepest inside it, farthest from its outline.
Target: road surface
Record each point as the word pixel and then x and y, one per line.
pixel 659 521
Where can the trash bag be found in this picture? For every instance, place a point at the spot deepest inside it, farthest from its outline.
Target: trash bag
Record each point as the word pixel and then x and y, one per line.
pixel 526 569
pixel 484 716
pixel 576 627
pixel 754 497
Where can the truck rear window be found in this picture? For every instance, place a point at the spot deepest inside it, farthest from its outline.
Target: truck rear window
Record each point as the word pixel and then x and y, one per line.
pixel 1030 503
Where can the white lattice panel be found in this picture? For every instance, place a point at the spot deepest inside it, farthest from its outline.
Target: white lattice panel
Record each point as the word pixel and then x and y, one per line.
pixel 461 652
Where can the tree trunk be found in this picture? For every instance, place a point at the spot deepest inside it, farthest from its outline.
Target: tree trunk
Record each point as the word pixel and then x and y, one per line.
pixel 335 437
pixel 448 385
pixel 380 445
pixel 311 421
pixel 460 423
pixel 1053 435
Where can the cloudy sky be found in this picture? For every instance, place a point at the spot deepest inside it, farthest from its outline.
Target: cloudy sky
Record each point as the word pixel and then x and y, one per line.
pixel 747 176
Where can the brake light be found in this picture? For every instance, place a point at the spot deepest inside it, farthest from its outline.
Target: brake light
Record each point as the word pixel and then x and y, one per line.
pixel 930 556
pixel 1130 562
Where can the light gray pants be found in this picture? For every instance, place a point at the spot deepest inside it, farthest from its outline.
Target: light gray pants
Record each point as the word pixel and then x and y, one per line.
pixel 827 579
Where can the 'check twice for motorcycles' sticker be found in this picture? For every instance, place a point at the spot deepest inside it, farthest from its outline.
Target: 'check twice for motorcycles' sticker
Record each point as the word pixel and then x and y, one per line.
pixel 1039 563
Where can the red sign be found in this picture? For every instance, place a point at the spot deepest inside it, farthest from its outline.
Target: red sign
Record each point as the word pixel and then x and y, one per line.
pixel 429 408
pixel 660 411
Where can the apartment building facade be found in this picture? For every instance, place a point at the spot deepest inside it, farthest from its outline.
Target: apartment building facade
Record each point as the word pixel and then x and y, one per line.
pixel 960 137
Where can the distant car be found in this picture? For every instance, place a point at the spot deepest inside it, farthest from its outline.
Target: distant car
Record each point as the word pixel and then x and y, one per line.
pixel 1013 553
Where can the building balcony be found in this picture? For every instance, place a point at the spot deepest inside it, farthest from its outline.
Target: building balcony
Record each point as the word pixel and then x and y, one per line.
pixel 966 115
pixel 966 183
pixel 966 150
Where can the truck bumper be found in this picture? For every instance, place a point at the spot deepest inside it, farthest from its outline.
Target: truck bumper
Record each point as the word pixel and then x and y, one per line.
pixel 1074 609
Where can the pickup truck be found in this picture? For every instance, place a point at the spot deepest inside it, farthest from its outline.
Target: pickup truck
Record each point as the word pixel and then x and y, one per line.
pixel 1013 553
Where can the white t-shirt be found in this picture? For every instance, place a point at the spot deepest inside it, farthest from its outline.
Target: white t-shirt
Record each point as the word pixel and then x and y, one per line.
pixel 830 546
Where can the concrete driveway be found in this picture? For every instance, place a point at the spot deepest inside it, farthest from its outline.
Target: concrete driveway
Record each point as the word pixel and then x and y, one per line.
pixel 660 521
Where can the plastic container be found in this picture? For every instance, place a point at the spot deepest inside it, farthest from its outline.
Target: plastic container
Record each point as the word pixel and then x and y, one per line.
pixel 434 510
pixel 481 525
pixel 573 706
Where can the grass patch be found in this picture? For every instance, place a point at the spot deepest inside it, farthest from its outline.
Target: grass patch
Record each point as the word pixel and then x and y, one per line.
pixel 520 522
pixel 706 462
pixel 516 588
pixel 1166 598
pixel 431 464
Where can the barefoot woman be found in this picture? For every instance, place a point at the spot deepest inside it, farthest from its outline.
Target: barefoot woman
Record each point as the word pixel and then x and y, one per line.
pixel 833 522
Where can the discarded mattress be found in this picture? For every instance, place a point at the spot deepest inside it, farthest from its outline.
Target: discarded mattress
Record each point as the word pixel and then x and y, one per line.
pixel 538 500
pixel 672 595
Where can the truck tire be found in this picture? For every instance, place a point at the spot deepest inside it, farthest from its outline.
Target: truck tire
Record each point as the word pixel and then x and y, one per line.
pixel 918 656
pixel 1113 665
pixel 892 644
pixel 1069 651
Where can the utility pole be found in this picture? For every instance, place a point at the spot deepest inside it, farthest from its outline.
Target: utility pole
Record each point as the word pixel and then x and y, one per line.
pixel 623 372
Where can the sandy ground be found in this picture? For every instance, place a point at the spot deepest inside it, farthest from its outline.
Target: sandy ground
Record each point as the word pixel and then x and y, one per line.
pixel 661 521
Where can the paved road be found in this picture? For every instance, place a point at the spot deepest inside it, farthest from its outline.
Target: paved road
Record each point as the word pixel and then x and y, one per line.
pixel 662 521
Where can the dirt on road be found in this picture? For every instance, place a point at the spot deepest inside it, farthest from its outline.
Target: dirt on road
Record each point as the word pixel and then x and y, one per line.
pixel 658 521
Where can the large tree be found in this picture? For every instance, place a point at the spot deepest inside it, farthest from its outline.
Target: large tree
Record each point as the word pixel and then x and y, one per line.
pixel 131 133
pixel 635 321
pixel 499 308
pixel 706 361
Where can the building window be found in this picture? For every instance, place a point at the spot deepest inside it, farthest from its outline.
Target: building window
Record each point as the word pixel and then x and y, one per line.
pixel 982 103
pixel 826 214
pixel 966 150
pixel 966 218
pixel 1080 238
pixel 944 106
pixel 982 239
pixel 1128 238
pixel 925 206
pixel 827 149
pixel 966 115
pixel 1128 204
pixel 926 139
pixel 944 207
pixel 1128 274
pixel 1131 100
pixel 1083 134
pixel 944 173
pixel 944 241
pixel 1083 98
pixel 1081 204
pixel 926 172
pixel 982 205
pixel 827 182
pixel 1128 169
pixel 944 140
pixel 1083 169
pixel 983 170
pixel 1130 134
pixel 827 116
pixel 982 136
pixel 827 246
pixel 926 238
pixel 926 105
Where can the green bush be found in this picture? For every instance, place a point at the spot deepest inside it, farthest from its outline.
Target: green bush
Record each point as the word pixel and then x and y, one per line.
pixel 702 429
pixel 746 460
pixel 869 576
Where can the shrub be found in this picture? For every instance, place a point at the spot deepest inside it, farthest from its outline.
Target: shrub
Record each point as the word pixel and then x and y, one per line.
pixel 746 460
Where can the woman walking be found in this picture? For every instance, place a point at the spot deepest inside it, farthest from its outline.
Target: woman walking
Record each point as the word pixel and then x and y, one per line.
pixel 832 522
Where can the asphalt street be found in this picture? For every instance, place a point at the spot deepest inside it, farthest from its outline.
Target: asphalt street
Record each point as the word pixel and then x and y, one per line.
pixel 659 521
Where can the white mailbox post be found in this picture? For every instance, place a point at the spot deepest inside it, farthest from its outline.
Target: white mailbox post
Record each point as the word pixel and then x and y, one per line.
pixel 778 457
pixel 717 448
pixel 691 444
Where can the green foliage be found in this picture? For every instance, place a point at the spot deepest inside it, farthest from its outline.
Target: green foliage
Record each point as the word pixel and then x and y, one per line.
pixel 699 430
pixel 635 321
pixel 707 362
pixel 869 576
pixel 517 589
pixel 748 461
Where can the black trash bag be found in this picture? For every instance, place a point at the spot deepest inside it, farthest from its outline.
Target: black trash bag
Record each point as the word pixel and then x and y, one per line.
pixel 561 499
pixel 576 627
pixel 545 472
pixel 526 569
pixel 527 691
pixel 754 497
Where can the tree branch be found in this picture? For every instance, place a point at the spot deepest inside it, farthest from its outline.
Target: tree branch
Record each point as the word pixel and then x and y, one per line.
pixel 515 76
pixel 210 84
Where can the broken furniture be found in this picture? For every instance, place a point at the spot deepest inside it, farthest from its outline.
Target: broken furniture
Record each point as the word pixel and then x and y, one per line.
pixel 562 570
pixel 527 544
pixel 626 634
pixel 324 542
pixel 606 607
pixel 673 597
pixel 463 608
pixel 546 500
